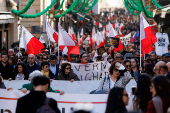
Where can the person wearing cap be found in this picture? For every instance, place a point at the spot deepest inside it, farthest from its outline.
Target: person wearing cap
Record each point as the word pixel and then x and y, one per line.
pixel 29 86
pixel 166 57
pixel 119 77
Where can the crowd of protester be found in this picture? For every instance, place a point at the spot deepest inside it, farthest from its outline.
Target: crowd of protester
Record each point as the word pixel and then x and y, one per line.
pixel 152 94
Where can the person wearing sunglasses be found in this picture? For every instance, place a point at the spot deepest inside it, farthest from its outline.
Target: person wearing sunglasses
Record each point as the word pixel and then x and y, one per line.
pixel 66 73
pixel 20 72
pixel 110 60
pixel 117 101
pixel 128 67
pixel 118 57
pixel 10 52
pixel 119 77
pixel 45 69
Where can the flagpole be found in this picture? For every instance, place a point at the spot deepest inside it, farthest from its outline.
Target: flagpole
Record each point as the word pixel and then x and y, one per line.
pixel 19 41
pixel 58 40
pixel 140 48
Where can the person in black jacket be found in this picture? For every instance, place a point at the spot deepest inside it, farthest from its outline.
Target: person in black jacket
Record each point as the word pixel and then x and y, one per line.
pixel 6 69
pixel 31 102
pixel 32 66
pixel 164 71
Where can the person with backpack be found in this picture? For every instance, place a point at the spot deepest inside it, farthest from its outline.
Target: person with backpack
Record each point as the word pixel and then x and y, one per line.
pixel 36 101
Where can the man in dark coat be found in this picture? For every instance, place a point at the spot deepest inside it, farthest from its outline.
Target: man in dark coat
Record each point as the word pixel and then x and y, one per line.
pixel 6 69
pixel 32 66
pixel 35 99
pixel 164 71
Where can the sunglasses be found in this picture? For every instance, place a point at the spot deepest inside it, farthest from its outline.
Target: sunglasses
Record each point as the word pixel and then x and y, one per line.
pixel 118 57
pixel 117 70
pixel 128 65
pixel 68 68
pixel 46 66
pixel 110 62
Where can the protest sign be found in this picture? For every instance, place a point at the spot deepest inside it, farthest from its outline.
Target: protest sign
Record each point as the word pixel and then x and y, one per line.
pixel 66 102
pixel 91 71
pixel 16 47
pixel 112 41
pixel 125 40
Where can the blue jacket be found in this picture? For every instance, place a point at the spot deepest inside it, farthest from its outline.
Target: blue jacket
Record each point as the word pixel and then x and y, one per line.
pixel 33 68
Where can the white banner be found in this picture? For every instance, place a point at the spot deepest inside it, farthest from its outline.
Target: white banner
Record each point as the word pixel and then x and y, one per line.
pixel 66 102
pixel 91 71
pixel 77 87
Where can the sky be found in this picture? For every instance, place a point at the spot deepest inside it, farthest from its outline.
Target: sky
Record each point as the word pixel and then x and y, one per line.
pixel 116 3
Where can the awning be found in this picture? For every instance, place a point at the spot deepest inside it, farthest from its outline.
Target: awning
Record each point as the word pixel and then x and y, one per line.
pixel 6 17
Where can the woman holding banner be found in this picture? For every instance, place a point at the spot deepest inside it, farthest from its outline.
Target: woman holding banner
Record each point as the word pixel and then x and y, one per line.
pixel 118 77
pixel 66 73
pixel 21 72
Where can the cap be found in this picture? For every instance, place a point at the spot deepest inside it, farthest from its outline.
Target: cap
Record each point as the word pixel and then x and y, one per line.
pixel 166 55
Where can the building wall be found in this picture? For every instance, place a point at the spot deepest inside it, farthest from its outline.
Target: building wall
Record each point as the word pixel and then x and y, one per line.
pixel 2 5
pixel 35 8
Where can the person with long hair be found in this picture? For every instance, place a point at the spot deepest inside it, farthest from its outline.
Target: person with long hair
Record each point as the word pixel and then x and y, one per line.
pixel 135 66
pixel 12 61
pixel 119 77
pixel 117 100
pixel 139 101
pixel 161 95
pixel 21 72
pixel 144 62
pixel 149 69
pixel 66 73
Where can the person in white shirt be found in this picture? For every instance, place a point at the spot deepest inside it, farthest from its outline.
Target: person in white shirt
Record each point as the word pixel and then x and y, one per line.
pixel 161 46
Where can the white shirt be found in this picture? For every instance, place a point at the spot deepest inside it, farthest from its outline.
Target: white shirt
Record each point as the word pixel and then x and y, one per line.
pixel 112 83
pixel 53 69
pixel 161 46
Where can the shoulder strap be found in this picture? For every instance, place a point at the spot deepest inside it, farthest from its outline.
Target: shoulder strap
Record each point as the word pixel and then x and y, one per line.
pixel 47 100
pixel 103 81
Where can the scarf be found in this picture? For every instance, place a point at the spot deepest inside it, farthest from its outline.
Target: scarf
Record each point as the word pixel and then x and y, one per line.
pixel 45 73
